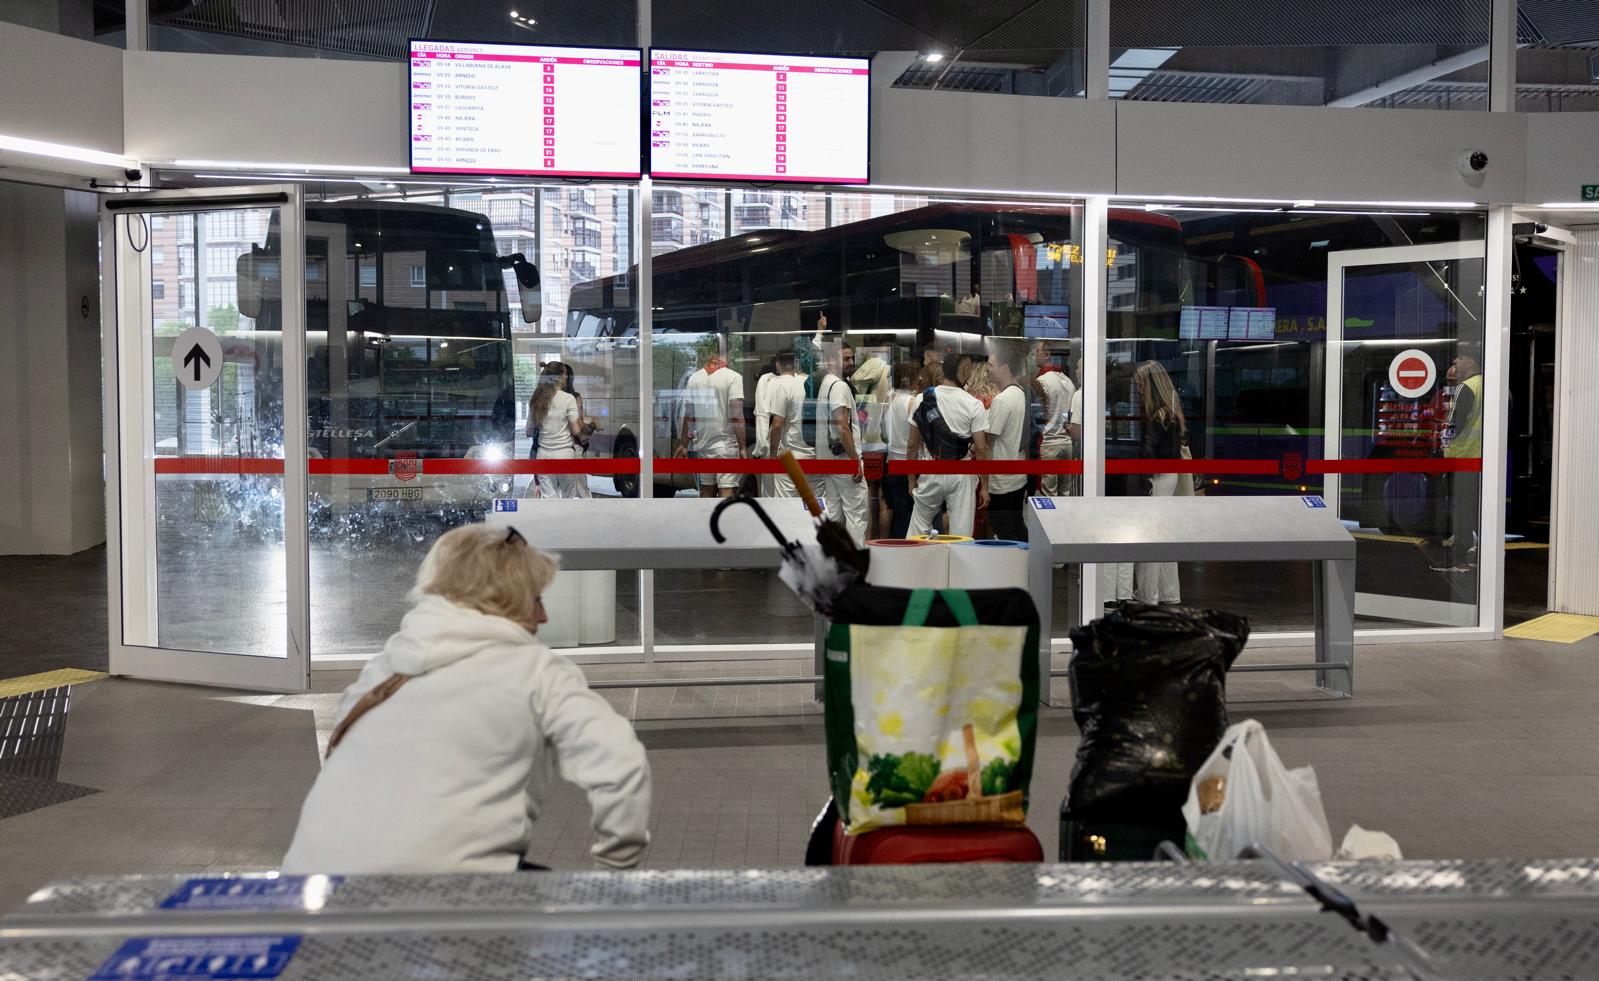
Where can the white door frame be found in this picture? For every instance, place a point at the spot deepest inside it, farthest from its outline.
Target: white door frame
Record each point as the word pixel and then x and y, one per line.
pixel 1490 597
pixel 127 336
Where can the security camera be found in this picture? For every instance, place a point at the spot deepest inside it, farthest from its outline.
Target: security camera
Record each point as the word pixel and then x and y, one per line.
pixel 1472 162
pixel 133 174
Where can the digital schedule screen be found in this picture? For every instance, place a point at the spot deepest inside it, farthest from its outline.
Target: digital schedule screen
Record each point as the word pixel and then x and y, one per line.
pixel 524 109
pixel 759 117
pixel 1202 323
pixel 1252 324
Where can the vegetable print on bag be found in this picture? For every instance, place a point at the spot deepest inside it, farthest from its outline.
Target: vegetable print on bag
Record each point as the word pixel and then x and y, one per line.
pixel 940 718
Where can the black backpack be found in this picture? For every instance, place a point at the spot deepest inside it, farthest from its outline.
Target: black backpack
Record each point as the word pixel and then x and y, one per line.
pixel 939 439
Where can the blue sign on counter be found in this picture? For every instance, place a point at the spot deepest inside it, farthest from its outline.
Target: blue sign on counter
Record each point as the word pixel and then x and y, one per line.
pixel 1314 501
pixel 309 892
pixel 199 959
pixel 1043 504
pixel 505 504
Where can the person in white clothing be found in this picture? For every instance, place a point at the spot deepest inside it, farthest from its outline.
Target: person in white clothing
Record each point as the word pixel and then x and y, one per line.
pixel 1058 392
pixel 838 437
pixel 1007 423
pixel 558 421
pixel 788 415
pixel 712 422
pixel 446 747
pixel 896 432
pixel 959 494
pixel 763 425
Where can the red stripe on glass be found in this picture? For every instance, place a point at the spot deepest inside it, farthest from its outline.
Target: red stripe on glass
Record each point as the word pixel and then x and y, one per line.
pixel 1193 466
pixel 1397 465
pixel 218 465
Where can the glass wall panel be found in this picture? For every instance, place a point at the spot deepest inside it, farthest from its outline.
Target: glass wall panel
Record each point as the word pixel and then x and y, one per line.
pixel 1422 56
pixel 1218 338
pixel 103 21
pixel 1557 67
pixel 844 306
pixel 427 363
pixel 379 31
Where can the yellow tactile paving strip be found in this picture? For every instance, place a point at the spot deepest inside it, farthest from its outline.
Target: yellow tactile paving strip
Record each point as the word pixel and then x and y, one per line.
pixel 1517 546
pixel 1560 628
pixel 46 680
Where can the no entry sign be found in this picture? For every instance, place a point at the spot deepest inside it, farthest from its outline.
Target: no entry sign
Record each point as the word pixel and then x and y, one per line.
pixel 1412 373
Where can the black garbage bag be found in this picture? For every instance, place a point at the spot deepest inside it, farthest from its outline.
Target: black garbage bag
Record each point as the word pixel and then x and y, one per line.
pixel 1150 685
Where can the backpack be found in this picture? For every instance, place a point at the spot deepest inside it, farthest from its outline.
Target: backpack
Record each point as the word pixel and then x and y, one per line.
pixel 939 439
pixel 808 416
pixel 1032 431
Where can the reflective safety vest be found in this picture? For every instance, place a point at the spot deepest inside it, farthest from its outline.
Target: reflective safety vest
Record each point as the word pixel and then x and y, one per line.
pixel 1468 432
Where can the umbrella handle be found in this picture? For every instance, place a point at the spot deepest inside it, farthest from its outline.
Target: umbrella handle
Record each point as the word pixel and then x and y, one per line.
pixel 800 483
pixel 760 512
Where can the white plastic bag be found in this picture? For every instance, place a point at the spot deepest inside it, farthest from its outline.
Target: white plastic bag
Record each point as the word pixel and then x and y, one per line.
pixel 1264 802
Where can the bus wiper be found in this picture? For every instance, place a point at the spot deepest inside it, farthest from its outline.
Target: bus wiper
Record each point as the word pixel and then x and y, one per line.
pixel 397 432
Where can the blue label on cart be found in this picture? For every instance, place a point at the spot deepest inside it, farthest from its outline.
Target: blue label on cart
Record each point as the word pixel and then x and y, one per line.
pixel 505 504
pixel 309 892
pixel 1314 501
pixel 1043 504
pixel 198 958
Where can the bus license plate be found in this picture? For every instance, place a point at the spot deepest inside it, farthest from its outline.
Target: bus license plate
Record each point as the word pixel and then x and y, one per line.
pixel 394 493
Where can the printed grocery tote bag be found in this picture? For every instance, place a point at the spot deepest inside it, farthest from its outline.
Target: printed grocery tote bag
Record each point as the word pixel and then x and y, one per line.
pixel 932 706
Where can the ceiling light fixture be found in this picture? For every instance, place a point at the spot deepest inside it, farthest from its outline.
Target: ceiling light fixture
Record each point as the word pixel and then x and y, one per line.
pixel 933 57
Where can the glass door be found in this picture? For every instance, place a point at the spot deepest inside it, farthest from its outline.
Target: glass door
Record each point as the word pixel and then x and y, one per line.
pixel 205 444
pixel 1404 459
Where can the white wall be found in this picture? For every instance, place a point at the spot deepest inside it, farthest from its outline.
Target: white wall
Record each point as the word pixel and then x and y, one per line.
pixel 993 142
pixel 51 495
pixel 1562 155
pixel 1327 154
pixel 59 89
pixel 267 110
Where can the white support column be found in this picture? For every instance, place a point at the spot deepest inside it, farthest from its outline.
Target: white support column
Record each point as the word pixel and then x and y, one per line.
pixel 137 25
pixel 1096 241
pixel 1574 555
pixel 1096 56
pixel 1502 57
pixel 1495 420
pixel 644 290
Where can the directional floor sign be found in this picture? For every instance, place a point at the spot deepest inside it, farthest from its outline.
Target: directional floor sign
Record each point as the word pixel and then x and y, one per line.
pixel 197 358
pixel 1412 373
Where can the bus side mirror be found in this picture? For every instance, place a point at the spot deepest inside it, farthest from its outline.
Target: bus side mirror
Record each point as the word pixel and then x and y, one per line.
pixel 258 281
pixel 527 284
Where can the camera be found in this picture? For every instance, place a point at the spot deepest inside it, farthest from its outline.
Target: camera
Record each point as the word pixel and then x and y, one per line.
pixel 1472 163
pixel 133 174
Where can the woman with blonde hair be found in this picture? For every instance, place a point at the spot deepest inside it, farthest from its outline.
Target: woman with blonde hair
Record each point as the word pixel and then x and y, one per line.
pixel 1165 435
pixel 446 746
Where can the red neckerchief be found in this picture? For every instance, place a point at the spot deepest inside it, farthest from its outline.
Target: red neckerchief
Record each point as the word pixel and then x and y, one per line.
pixel 1046 369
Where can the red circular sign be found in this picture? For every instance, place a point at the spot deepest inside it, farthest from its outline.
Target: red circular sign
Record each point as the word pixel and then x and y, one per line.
pixel 1412 373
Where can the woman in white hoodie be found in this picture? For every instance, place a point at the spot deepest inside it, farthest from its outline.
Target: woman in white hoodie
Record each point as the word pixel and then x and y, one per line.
pixel 449 740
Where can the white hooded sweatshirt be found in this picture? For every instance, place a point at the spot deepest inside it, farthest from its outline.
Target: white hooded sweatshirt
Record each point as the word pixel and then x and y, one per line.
pixel 447 774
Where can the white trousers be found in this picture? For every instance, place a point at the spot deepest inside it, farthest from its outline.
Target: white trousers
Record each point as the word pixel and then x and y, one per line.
pixel 782 486
pixel 957 493
pixel 1058 446
pixel 1115 581
pixel 562 485
pixel 1157 581
pixel 846 503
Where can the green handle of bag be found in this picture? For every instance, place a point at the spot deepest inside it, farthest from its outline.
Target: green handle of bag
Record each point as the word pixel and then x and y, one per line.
pixel 921 604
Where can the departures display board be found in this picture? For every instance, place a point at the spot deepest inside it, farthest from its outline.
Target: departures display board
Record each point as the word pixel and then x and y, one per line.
pixel 715 115
pixel 523 109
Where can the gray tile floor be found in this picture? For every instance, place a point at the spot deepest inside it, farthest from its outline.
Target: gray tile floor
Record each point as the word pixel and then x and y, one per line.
pixel 1481 749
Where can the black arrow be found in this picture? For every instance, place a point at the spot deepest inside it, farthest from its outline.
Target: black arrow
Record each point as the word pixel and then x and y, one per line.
pixel 197 354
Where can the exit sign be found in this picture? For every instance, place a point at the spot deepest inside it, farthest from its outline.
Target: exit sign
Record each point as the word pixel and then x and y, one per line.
pixel 1590 192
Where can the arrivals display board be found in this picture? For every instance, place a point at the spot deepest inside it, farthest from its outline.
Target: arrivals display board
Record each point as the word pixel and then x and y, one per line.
pixel 715 115
pixel 522 109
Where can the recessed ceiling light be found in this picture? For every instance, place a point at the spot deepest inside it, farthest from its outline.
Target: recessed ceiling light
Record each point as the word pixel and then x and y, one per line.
pixel 933 57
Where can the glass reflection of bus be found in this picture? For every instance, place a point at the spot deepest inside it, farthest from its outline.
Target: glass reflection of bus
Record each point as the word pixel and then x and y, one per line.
pixel 943 276
pixel 408 353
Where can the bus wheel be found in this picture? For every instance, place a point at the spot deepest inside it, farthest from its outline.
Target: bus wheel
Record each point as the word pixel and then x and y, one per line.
pixel 626 446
